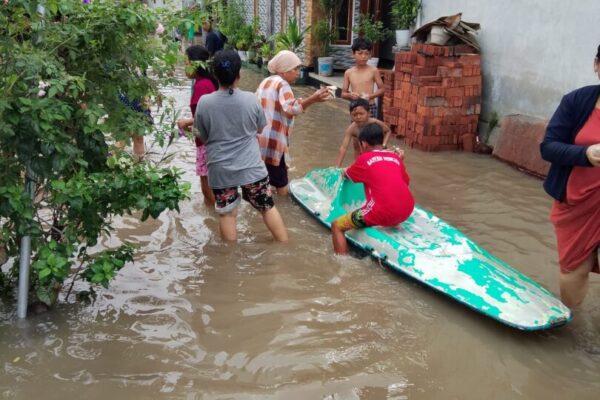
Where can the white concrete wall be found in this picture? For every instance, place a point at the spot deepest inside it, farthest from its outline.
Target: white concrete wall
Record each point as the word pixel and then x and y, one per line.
pixel 533 51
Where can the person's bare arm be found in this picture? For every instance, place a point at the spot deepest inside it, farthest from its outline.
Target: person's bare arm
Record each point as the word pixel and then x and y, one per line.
pixel 380 89
pixel 344 147
pixel 346 94
pixel 387 132
pixel 185 123
pixel 317 97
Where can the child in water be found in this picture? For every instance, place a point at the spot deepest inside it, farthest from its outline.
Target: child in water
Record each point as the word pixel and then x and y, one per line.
pixel 228 122
pixel 359 112
pixel 204 83
pixel 388 198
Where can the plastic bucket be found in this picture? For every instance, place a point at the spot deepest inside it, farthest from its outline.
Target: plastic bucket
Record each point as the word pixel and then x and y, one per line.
pixel 402 37
pixel 373 61
pixel 325 66
pixel 438 35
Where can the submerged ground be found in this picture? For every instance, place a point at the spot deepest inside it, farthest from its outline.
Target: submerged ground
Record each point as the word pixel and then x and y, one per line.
pixel 194 318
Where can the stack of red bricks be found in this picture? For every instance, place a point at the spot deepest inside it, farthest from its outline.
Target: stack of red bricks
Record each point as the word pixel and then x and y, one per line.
pixel 433 99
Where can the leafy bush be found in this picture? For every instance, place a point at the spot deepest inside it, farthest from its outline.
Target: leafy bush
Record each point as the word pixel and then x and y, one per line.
pixel 373 30
pixel 404 12
pixel 292 38
pixel 60 117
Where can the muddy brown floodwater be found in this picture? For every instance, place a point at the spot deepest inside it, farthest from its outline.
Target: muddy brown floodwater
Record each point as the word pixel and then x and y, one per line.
pixel 195 318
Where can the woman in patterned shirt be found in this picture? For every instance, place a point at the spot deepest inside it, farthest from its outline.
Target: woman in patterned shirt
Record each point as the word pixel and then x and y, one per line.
pixel 280 106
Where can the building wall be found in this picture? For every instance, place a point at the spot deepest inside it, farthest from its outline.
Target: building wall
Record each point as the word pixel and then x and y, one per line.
pixel 342 54
pixel 533 51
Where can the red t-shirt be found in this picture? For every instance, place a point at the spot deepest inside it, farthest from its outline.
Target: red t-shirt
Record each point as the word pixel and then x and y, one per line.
pixel 201 87
pixel 389 201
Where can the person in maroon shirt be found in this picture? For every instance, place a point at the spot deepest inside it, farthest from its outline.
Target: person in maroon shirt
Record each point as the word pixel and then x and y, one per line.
pixel 572 142
pixel 388 198
pixel 204 83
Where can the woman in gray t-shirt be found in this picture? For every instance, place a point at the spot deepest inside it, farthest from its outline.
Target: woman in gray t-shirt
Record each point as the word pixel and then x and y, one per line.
pixel 227 121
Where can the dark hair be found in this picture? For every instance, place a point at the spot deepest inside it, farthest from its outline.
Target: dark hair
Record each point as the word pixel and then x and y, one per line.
pixel 361 44
pixel 360 102
pixel 227 65
pixel 598 53
pixel 372 134
pixel 200 53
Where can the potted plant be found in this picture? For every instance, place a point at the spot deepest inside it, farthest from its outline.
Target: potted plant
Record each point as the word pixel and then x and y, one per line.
pixel 404 13
pixel 372 30
pixel 266 52
pixel 323 35
pixel 292 39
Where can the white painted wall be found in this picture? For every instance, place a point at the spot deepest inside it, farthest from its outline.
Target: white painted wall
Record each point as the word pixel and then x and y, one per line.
pixel 533 51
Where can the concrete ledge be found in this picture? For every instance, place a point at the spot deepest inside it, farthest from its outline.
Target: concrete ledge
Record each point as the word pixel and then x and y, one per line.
pixel 519 143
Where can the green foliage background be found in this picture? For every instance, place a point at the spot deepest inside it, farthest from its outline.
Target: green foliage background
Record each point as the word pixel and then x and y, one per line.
pixel 61 74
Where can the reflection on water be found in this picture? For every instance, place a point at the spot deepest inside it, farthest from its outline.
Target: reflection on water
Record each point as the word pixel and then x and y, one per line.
pixel 194 318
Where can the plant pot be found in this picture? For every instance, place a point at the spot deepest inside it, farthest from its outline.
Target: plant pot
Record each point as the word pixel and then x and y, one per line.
pixel 373 61
pixel 251 56
pixel 438 35
pixel 325 66
pixel 402 37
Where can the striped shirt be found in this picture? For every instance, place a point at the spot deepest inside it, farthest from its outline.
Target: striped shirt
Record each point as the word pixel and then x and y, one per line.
pixel 280 106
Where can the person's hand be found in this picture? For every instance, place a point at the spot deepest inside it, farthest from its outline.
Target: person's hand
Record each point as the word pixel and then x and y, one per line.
pixel 182 124
pixel 399 152
pixel 354 96
pixel 322 95
pixel 593 154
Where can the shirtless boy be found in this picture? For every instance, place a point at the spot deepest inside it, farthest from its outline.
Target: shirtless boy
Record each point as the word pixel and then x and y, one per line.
pixel 359 80
pixel 359 112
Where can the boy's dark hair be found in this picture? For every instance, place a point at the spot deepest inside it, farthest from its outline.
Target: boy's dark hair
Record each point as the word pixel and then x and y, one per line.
pixel 227 65
pixel 364 103
pixel 598 53
pixel 361 44
pixel 372 134
pixel 200 53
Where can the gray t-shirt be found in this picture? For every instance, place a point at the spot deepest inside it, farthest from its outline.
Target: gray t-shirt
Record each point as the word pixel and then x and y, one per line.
pixel 228 124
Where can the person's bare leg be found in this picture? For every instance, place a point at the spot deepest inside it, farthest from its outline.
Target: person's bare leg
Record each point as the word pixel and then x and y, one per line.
pixel 138 146
pixel 282 191
pixel 274 222
pixel 209 196
pixel 574 285
pixel 340 245
pixel 227 226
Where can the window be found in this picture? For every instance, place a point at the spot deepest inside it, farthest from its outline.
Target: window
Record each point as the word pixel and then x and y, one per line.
pixel 342 22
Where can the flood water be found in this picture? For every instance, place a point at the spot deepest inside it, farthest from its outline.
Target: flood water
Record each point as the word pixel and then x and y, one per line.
pixel 195 318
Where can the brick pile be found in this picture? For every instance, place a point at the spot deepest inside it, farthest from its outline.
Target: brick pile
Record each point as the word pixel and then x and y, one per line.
pixel 433 98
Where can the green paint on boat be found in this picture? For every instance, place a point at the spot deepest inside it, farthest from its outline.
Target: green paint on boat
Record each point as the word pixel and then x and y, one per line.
pixel 436 254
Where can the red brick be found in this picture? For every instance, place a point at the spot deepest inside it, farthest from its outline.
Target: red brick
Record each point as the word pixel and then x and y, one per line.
pixel 473 59
pixel 463 49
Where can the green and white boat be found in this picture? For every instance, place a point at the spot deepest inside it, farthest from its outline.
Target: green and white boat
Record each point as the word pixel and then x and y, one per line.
pixel 436 254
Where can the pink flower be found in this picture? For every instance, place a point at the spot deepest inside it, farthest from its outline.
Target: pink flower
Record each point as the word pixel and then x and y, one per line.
pixel 160 29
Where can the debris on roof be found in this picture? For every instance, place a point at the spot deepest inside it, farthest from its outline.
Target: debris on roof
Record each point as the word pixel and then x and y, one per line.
pixel 449 30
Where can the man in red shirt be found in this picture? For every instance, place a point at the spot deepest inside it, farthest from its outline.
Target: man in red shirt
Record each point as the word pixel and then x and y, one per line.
pixel 389 201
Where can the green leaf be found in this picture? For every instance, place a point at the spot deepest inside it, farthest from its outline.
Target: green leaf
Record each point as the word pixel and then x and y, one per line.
pixel 44 273
pixel 97 278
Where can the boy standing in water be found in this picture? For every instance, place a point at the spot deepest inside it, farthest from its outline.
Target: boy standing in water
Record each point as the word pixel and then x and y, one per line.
pixel 359 80
pixel 389 201
pixel 359 112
